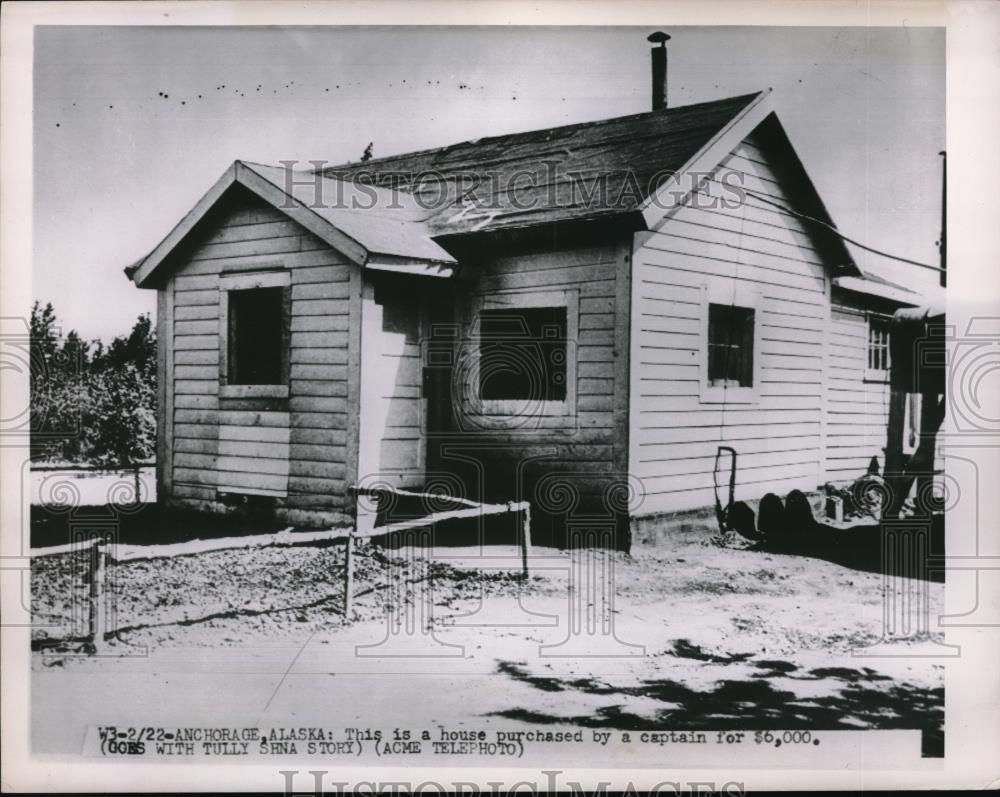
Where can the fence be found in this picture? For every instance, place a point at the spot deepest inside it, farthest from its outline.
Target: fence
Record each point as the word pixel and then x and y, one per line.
pixel 102 552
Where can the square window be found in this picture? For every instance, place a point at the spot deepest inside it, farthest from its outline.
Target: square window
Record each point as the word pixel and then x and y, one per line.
pixel 522 354
pixel 730 346
pixel 256 339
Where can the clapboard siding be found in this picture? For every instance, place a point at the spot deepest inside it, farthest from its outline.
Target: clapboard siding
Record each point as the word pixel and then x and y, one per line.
pixel 714 241
pixel 591 437
pixel 392 410
pixel 857 411
pixel 297 453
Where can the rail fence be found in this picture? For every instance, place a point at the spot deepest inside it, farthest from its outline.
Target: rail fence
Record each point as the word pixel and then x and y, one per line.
pixel 103 553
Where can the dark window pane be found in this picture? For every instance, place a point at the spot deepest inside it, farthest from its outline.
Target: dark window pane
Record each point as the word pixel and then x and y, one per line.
pixel 746 360
pixel 730 345
pixel 255 336
pixel 522 354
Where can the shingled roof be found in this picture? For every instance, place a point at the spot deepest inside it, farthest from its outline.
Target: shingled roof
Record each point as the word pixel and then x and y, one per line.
pixel 588 170
pixel 373 227
pixel 398 213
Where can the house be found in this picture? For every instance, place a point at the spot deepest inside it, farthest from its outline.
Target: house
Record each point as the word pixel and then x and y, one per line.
pixel 577 317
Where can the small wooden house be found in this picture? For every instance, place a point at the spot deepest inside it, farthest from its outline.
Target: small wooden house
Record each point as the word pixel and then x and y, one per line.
pixel 577 317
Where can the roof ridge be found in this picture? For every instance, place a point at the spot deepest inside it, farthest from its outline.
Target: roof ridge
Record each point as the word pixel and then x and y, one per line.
pixel 374 162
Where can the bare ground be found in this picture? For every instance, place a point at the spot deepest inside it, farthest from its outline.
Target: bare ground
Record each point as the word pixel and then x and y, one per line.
pixel 707 633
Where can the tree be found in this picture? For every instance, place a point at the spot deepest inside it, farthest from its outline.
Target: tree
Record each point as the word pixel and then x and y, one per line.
pixel 123 419
pixel 44 335
pixel 91 403
pixel 138 348
pixel 56 387
pixel 75 350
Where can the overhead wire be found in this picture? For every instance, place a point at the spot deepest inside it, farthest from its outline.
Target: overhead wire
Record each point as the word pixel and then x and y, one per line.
pixel 830 228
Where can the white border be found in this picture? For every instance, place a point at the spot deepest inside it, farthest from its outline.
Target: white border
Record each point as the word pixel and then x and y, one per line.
pixel 973 91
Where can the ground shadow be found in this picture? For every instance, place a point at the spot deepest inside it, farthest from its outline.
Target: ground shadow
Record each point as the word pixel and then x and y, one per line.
pixel 146 524
pixel 859 699
pixel 867 547
pixel 502 529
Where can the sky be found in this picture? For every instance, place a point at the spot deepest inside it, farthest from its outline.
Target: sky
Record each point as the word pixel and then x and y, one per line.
pixel 133 124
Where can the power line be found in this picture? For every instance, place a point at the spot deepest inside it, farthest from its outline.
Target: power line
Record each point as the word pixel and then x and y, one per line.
pixel 839 234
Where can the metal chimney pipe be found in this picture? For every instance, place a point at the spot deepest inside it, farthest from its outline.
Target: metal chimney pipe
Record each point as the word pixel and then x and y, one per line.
pixel 659 59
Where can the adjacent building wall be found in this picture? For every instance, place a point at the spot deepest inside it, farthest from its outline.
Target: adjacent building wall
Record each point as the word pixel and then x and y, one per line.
pixel 856 406
pixel 857 399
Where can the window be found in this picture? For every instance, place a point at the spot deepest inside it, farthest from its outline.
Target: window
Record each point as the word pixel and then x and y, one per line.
pixel 878 347
pixel 522 354
pixel 730 343
pixel 730 346
pixel 254 335
pixel 518 362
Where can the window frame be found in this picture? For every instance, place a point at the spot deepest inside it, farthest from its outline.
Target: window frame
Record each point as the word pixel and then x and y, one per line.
pixel 742 296
pixel 513 409
pixel 877 375
pixel 248 280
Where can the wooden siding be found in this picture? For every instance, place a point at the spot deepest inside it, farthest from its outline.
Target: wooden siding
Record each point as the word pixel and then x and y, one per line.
pixel 717 241
pixel 294 447
pixel 857 406
pixel 857 411
pixel 534 456
pixel 392 409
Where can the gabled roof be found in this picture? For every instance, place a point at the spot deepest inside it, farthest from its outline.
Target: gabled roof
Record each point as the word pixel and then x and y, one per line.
pixel 396 212
pixel 371 226
pixel 542 176
pixel 640 166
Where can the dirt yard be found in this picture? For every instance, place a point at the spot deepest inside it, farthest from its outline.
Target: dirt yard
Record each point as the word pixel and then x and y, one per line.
pixel 710 633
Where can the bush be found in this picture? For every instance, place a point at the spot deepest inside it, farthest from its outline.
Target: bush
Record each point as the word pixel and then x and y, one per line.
pixel 92 404
pixel 122 415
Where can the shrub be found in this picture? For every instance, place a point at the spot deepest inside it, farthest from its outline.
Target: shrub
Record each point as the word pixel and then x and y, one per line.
pixel 92 404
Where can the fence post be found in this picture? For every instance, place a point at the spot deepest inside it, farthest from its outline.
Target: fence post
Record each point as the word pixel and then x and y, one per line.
pixel 525 540
pixel 98 608
pixel 349 577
